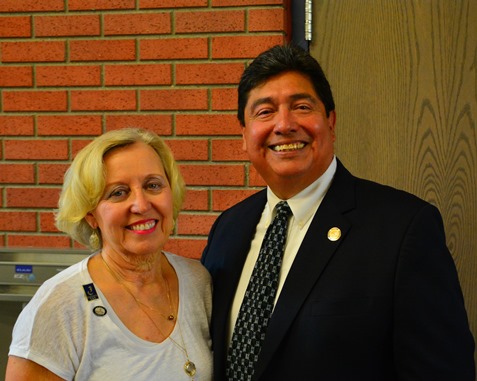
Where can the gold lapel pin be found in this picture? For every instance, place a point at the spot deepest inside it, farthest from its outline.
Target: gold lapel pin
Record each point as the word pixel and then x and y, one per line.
pixel 334 234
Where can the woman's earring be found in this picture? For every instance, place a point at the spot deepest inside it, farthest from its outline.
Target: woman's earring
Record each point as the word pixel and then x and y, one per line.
pixel 94 240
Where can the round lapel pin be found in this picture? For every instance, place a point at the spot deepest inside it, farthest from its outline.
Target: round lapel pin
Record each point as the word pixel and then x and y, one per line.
pixel 334 234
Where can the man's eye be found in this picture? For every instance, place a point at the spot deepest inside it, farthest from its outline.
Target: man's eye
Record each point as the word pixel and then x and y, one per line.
pixel 264 112
pixel 303 107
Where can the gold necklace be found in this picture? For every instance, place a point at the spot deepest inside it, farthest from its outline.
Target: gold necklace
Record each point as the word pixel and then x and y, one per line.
pixel 189 367
pixel 121 281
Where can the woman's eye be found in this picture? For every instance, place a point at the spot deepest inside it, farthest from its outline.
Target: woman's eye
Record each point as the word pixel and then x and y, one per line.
pixel 117 193
pixel 155 186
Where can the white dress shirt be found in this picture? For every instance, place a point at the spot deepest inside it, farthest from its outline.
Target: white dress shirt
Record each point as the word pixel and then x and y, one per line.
pixel 304 206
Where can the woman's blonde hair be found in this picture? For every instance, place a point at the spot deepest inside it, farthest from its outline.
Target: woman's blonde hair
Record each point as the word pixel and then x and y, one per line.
pixel 85 180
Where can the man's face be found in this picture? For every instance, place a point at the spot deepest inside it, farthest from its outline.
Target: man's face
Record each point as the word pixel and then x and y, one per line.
pixel 287 134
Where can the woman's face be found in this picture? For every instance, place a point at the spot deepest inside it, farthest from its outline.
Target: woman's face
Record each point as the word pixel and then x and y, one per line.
pixel 135 213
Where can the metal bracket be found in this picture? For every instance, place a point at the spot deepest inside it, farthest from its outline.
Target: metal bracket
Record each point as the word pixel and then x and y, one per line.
pixel 308 19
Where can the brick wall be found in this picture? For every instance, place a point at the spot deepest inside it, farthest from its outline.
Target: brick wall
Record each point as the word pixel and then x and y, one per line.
pixel 73 69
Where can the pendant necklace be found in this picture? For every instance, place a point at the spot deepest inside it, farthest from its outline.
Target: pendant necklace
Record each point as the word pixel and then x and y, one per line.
pixel 189 367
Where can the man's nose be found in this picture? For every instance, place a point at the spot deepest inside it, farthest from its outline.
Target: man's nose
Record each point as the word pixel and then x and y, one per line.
pixel 285 121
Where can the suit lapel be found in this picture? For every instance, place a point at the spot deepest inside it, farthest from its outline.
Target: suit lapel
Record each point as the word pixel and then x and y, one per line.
pixel 315 252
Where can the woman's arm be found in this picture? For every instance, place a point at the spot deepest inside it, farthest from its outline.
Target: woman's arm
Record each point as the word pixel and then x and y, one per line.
pixel 20 369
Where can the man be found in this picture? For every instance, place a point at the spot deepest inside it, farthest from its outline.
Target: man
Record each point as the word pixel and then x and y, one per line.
pixel 367 288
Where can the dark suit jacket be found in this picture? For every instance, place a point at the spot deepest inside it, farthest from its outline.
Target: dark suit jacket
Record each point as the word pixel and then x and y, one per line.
pixel 381 303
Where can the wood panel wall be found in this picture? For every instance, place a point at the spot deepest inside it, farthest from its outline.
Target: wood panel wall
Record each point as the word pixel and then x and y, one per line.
pixel 403 73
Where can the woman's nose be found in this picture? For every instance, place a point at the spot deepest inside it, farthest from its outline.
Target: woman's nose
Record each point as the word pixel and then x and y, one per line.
pixel 140 202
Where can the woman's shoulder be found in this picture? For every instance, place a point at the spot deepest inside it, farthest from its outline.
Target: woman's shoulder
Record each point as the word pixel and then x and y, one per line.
pixel 63 286
pixel 188 266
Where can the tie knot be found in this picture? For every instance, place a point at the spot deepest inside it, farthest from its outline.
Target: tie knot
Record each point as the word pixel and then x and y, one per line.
pixel 283 209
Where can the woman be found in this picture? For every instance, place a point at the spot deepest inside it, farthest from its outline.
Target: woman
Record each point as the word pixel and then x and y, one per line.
pixel 130 311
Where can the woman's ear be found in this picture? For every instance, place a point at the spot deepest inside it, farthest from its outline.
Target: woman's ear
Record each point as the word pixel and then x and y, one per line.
pixel 91 220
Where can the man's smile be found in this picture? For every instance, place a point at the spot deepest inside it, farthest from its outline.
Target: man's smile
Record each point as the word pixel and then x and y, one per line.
pixel 287 147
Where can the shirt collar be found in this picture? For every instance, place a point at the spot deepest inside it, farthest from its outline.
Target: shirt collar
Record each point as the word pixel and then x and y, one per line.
pixel 305 203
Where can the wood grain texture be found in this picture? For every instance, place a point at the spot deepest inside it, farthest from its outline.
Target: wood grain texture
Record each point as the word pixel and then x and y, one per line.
pixel 403 74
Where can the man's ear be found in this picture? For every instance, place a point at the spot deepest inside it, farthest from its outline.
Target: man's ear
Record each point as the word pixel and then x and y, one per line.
pixel 244 143
pixel 332 123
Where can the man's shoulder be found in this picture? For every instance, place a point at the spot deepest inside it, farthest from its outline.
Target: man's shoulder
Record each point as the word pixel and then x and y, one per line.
pixel 376 191
pixel 250 202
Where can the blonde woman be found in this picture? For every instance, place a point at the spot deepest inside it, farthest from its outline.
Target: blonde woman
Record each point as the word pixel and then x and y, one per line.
pixel 130 311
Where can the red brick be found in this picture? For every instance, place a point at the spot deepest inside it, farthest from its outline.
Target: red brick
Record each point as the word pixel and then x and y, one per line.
pixel 16 26
pixel 38 240
pixel 77 245
pixel 102 50
pixel 224 99
pixel 161 124
pixel 16 125
pixel 71 25
pixel 17 173
pixel 47 222
pixel 95 5
pixel 16 76
pixel 51 173
pixel 34 101
pixel 196 199
pixel 77 145
pixel 186 247
pixel 195 224
pixel 224 199
pixel 145 4
pixel 31 5
pixel 173 48
pixel 210 21
pixel 207 124
pixel 189 149
pixel 58 125
pixel 17 221
pixel 100 100
pixel 32 197
pixel 135 75
pixel 208 73
pixel 37 149
pixel 243 46
pixel 228 150
pixel 137 23
pixel 88 75
pixel 174 99
pixel 33 51
pixel 264 20
pixel 213 174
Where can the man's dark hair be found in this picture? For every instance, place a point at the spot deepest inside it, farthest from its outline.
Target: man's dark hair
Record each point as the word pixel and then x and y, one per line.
pixel 278 60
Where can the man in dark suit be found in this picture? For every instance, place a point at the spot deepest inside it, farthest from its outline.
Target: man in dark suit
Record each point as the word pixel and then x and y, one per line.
pixel 367 288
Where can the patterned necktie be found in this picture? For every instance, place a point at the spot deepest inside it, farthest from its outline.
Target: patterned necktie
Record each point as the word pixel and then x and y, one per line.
pixel 258 301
